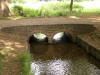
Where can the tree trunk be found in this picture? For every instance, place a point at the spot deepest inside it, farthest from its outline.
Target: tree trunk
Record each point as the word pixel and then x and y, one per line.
pixel 71 5
pixel 4 8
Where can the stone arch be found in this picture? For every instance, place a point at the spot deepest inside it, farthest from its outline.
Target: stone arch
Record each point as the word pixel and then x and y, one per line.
pixel 38 38
pixel 37 45
pixel 61 37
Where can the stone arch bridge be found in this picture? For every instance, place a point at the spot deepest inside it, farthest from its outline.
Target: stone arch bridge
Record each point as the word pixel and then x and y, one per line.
pixel 22 33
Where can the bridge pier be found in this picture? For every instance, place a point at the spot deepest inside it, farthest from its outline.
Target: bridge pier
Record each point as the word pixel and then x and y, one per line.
pixel 50 40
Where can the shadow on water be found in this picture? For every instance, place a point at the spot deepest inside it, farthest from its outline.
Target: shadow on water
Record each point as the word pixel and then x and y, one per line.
pixel 62 59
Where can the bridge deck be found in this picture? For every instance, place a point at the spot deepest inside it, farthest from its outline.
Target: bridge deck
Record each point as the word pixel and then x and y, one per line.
pixel 50 21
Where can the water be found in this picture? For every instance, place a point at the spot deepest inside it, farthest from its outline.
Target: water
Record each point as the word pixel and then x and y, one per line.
pixel 62 59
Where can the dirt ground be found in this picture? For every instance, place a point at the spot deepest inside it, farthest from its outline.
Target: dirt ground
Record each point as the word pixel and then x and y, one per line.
pixel 12 49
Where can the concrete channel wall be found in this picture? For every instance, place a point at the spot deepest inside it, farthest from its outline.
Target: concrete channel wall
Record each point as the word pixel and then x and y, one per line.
pixel 89 47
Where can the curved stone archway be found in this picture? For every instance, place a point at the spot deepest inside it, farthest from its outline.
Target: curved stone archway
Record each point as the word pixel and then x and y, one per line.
pixel 62 37
pixel 37 43
pixel 38 38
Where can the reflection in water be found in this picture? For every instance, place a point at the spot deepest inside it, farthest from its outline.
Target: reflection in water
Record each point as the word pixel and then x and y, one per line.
pixel 53 67
pixel 57 67
pixel 62 59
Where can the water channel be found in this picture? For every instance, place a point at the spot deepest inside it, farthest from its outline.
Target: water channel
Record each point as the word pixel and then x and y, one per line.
pixel 62 59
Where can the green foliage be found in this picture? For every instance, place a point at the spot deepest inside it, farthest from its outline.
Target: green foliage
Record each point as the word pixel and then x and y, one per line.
pixel 58 9
pixel 82 0
pixel 1 60
pixel 77 8
pixel 54 9
pixel 25 12
pixel 89 12
pixel 17 10
pixel 16 1
pixel 25 60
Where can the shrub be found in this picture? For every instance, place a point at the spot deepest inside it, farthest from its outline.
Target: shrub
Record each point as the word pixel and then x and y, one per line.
pixel 17 10
pixel 25 60
pixel 27 12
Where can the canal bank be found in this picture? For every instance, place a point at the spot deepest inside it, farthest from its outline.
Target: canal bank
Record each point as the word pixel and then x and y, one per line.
pixel 89 42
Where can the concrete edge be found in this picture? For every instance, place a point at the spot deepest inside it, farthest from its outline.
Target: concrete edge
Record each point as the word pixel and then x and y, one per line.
pixel 87 46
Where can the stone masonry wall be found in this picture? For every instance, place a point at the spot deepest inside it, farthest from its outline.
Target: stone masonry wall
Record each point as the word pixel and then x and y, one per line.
pixel 48 30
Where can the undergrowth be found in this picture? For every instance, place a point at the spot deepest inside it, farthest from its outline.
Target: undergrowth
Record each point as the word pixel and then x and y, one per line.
pixel 25 60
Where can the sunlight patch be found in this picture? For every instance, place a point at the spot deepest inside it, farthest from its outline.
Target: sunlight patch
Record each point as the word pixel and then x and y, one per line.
pixel 40 36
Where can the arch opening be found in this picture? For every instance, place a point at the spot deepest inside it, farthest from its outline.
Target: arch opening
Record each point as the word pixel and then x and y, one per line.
pixel 62 37
pixel 37 43
pixel 38 38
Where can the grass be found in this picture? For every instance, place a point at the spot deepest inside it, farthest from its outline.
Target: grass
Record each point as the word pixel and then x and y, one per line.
pixel 1 60
pixel 47 10
pixel 27 12
pixel 54 9
pixel 25 60
pixel 2 55
pixel 58 9
pixel 91 11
